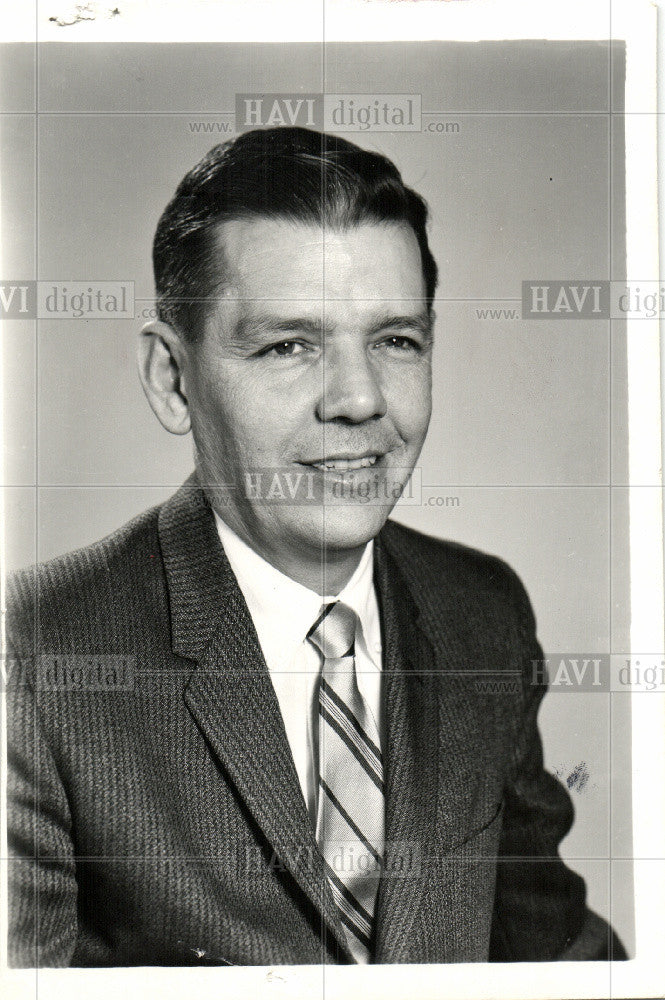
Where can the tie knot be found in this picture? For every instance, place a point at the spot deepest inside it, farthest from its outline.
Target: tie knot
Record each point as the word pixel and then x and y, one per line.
pixel 334 631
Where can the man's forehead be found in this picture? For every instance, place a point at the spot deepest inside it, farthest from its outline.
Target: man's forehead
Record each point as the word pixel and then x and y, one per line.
pixel 308 259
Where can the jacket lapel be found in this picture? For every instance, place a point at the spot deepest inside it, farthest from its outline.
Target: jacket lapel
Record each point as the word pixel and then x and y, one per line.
pixel 436 753
pixel 230 694
pixel 410 711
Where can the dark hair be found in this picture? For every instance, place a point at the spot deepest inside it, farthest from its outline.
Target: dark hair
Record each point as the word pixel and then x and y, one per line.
pixel 289 173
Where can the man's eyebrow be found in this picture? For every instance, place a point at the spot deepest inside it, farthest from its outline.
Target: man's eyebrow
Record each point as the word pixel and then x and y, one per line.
pixel 266 323
pixel 256 326
pixel 394 321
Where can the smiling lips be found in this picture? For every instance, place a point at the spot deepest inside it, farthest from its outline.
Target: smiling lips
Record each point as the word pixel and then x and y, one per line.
pixel 345 463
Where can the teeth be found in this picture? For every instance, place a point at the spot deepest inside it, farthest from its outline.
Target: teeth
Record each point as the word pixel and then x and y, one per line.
pixel 346 464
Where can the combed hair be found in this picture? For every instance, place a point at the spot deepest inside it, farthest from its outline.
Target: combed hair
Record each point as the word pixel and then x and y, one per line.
pixel 294 174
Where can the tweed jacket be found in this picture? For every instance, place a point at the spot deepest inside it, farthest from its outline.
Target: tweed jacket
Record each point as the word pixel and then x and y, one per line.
pixel 155 814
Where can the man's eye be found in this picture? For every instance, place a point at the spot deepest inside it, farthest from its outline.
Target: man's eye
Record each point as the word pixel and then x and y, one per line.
pixel 401 343
pixel 284 349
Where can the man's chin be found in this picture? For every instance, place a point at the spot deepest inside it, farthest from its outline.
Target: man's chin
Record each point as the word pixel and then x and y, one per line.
pixel 344 527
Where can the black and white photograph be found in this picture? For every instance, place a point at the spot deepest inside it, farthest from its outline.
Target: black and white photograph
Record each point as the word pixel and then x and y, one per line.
pixel 332 559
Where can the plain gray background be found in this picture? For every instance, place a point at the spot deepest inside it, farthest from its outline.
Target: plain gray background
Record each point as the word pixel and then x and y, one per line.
pixel 529 429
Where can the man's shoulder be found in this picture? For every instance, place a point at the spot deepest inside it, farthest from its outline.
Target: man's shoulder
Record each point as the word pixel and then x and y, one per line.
pixel 87 583
pixel 433 567
pixel 432 554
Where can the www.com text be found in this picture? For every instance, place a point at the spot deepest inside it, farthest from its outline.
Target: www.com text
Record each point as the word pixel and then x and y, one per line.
pixel 214 128
pixel 228 128
pixel 497 314
pixel 442 127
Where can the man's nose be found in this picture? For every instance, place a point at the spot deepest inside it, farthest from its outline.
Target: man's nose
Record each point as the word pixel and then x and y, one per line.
pixel 351 388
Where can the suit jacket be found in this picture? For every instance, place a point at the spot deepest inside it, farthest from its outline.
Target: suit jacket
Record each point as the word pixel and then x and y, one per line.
pixel 155 814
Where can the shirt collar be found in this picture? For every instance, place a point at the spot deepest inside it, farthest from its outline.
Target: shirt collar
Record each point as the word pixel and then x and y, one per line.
pixel 283 610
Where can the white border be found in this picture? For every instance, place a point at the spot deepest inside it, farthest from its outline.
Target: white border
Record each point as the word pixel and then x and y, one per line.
pixel 336 20
pixel 380 20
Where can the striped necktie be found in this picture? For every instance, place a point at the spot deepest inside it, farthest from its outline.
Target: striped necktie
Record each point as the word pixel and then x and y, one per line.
pixel 350 819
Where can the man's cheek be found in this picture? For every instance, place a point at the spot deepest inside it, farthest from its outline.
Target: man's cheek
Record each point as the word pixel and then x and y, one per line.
pixel 420 406
pixel 410 412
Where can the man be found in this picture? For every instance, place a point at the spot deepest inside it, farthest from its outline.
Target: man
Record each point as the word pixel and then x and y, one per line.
pixel 299 762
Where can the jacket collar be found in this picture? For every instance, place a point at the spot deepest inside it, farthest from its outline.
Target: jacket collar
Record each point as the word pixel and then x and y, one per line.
pixel 198 574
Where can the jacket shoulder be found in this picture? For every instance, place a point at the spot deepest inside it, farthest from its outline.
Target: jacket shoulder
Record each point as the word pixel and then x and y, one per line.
pixel 438 570
pixel 432 556
pixel 62 596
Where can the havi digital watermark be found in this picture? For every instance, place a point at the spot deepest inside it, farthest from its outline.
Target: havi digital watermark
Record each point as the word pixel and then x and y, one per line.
pixel 67 300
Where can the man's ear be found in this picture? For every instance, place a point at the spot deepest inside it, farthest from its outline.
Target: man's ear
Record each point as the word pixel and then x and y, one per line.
pixel 161 361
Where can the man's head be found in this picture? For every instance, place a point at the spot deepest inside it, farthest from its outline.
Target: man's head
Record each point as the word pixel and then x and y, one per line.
pixel 295 285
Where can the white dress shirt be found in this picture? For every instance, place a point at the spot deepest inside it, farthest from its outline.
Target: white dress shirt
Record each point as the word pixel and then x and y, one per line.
pixel 283 612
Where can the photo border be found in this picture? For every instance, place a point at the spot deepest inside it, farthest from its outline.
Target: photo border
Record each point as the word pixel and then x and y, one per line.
pixel 466 20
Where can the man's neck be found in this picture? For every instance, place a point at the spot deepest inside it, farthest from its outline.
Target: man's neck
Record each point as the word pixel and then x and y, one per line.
pixel 327 577
pixel 325 574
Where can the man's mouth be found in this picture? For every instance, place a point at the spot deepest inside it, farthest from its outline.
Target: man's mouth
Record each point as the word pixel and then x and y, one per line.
pixel 343 463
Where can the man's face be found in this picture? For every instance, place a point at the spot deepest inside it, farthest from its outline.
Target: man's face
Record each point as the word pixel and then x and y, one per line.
pixel 315 367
